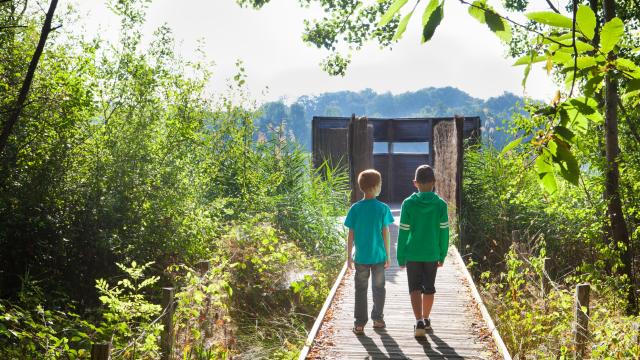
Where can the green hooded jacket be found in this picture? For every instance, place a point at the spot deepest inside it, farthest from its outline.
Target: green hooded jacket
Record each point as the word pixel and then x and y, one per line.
pixel 424 229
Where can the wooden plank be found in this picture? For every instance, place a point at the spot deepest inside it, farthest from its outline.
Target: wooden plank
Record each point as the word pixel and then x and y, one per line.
pixel 381 163
pixel 404 167
pixel 327 303
pixel 332 146
pixel 485 313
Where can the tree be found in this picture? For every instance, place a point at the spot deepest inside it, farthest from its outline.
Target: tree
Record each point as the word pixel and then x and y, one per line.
pixel 587 50
pixel 14 115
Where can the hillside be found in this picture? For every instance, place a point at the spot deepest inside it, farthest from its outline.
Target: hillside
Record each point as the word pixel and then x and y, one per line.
pixel 426 102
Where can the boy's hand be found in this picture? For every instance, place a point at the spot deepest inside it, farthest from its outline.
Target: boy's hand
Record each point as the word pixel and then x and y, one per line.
pixel 402 267
pixel 439 264
pixel 350 265
pixel 386 264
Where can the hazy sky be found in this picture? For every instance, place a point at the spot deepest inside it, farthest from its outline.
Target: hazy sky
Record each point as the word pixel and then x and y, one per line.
pixel 463 53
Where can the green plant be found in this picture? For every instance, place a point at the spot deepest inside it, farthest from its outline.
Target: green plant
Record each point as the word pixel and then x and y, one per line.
pixel 130 321
pixel 29 329
pixel 203 327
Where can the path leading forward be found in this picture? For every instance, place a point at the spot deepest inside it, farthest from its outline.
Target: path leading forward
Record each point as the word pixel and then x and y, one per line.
pixel 458 329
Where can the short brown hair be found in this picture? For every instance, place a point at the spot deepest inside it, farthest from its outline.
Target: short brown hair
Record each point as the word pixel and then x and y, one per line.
pixel 369 181
pixel 425 174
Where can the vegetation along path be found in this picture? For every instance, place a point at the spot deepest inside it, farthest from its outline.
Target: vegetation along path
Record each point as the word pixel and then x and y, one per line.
pixel 458 328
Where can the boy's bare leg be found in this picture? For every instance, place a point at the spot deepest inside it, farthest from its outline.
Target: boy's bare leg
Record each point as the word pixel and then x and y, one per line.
pixel 416 303
pixel 427 304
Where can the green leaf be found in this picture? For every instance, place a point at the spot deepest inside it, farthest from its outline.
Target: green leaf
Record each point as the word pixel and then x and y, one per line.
pixel 484 13
pixel 585 62
pixel 476 11
pixel 633 85
pixel 629 67
pixel 550 18
pixel 562 58
pixel 428 10
pixel 587 107
pixel 544 168
pixel 586 21
pixel 529 59
pixel 578 122
pixel 499 26
pixel 511 145
pixel 564 133
pixel 527 70
pixel 611 34
pixel 569 168
pixel 393 9
pixel 402 26
pixel 431 18
pixel 593 84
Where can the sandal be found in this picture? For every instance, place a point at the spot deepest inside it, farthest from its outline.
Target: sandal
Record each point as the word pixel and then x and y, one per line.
pixel 379 324
pixel 358 330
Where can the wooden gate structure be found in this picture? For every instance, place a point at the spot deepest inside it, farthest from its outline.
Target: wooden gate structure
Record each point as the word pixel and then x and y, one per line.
pixel 395 147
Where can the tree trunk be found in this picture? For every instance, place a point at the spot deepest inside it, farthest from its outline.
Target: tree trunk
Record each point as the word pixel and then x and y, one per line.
pixel 612 182
pixel 26 85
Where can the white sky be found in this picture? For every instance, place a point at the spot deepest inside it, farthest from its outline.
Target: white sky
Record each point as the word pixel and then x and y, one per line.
pixel 463 53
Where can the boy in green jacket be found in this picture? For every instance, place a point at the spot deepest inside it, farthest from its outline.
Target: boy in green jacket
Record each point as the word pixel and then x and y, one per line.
pixel 423 241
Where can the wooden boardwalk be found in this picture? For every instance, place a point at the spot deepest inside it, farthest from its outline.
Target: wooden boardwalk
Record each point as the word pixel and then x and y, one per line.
pixel 458 328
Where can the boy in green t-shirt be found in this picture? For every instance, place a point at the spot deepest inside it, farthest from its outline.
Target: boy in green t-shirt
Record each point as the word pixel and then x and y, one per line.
pixel 368 222
pixel 423 241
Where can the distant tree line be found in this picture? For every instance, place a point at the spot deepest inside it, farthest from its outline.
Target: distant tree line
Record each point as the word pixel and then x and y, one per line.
pixel 427 102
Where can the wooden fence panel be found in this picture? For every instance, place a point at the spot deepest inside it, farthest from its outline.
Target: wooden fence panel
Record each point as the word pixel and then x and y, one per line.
pixel 361 150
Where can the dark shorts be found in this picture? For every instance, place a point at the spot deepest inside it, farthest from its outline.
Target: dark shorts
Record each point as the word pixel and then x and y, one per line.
pixel 422 276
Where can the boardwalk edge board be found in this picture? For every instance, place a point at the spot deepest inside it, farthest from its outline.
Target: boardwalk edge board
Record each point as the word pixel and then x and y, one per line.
pixel 327 303
pixel 502 348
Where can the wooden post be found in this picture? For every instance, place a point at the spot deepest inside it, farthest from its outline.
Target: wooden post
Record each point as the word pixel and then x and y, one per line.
pixel 544 284
pixel 581 324
pixel 635 338
pixel 459 120
pixel 166 338
pixel 101 351
pixel 203 267
pixel 389 193
pixel 516 239
pixel 360 151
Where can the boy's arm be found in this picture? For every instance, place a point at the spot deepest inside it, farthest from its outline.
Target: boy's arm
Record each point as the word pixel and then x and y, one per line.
pixel 444 233
pixel 350 249
pixel 403 235
pixel 385 237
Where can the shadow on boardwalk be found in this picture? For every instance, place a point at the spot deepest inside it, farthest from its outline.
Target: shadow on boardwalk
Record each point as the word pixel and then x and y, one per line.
pixel 442 350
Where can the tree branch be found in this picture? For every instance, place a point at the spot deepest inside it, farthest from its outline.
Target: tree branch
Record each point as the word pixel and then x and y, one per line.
pixel 515 23
pixel 28 80
pixel 553 7
pixel 632 126
pixel 11 27
pixel 575 47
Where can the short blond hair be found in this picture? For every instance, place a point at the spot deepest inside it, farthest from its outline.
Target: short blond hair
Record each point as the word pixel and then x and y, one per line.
pixel 370 181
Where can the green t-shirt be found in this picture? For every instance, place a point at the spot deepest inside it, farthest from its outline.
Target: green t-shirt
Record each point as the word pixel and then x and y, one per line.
pixel 367 218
